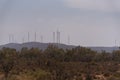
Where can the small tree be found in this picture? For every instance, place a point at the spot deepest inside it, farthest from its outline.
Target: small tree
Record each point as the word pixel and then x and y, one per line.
pixel 88 77
pixel 7 66
pixel 7 61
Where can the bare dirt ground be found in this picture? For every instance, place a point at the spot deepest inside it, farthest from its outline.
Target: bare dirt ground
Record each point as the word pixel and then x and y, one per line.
pixel 1 76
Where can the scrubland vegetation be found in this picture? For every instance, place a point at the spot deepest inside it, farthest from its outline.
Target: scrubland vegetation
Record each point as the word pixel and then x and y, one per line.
pixel 79 63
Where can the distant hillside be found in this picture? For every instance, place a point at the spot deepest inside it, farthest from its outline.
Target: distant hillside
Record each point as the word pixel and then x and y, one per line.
pixel 35 45
pixel 45 45
pixel 107 49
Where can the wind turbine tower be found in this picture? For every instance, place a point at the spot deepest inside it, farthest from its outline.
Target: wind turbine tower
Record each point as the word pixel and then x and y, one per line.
pixel 58 36
pixel 35 36
pixel 23 40
pixel 53 37
pixel 68 39
pixel 41 39
pixel 9 38
pixel 12 36
pixel 28 37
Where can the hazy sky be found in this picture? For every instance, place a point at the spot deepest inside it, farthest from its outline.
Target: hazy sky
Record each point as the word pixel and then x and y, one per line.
pixel 87 22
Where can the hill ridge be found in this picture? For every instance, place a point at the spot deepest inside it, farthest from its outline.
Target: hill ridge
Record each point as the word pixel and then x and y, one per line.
pixel 43 46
